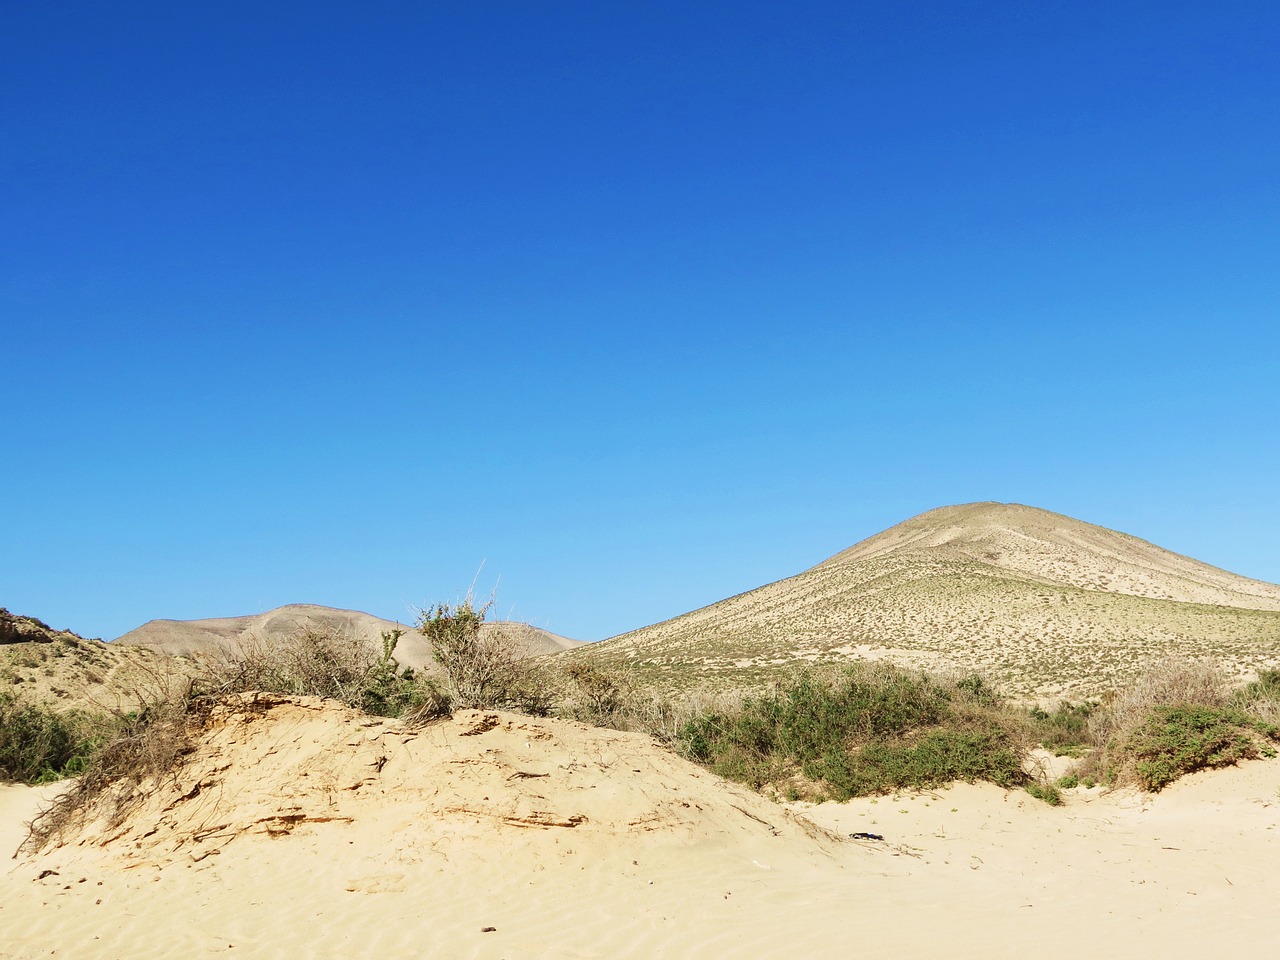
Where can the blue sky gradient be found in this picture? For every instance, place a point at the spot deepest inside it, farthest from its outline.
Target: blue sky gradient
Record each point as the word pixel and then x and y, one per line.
pixel 637 305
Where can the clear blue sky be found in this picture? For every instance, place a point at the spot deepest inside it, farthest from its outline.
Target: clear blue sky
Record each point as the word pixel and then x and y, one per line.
pixel 640 305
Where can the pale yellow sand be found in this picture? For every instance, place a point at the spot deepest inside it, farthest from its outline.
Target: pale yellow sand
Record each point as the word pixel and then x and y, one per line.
pixel 319 834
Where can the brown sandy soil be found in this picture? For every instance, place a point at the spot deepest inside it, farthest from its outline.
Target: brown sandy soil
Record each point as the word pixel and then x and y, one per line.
pixel 1043 605
pixel 317 832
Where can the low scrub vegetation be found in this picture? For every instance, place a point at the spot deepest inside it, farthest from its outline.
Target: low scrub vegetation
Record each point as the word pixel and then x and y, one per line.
pixel 475 668
pixel 876 728
pixel 826 733
pixel 320 663
pixel 39 744
pixel 478 668
pixel 1182 716
pixel 1064 731
pixel 866 729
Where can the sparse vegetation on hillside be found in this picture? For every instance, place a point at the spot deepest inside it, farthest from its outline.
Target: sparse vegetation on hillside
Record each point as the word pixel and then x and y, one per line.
pixel 1041 604
pixel 828 731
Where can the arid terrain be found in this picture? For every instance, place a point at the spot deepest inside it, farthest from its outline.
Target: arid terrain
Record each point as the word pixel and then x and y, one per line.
pixel 66 670
pixel 1045 605
pixel 299 828
pixel 289 825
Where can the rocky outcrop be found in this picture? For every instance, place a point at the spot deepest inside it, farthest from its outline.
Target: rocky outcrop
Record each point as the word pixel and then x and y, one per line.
pixel 16 629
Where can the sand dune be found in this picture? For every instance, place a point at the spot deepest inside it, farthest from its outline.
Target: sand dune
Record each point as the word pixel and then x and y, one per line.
pixel 1045 605
pixel 298 828
pixel 187 637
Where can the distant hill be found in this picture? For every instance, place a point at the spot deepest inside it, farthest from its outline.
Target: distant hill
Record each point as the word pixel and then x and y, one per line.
pixel 65 670
pixel 1043 603
pixel 186 637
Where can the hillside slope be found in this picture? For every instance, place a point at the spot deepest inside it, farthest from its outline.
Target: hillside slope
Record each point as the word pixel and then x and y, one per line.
pixel 64 670
pixel 186 637
pixel 1045 604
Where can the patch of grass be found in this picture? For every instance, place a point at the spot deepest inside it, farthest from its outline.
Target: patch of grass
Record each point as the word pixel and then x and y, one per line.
pixel 867 729
pixel 1065 731
pixel 1047 792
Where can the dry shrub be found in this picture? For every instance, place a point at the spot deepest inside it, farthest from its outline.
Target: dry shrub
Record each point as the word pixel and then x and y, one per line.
pixel 617 698
pixel 1262 697
pixel 1166 683
pixel 318 662
pixel 148 743
pixel 482 669
pixel 1169 682
pixel 1179 717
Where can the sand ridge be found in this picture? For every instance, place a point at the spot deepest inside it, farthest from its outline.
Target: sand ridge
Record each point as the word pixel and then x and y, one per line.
pixel 299 827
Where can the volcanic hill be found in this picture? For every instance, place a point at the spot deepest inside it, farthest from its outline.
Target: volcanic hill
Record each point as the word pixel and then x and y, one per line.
pixel 1043 604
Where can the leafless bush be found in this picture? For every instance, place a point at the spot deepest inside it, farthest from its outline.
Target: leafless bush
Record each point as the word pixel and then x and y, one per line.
pixel 1171 682
pixel 318 662
pixel 617 698
pixel 147 744
pixel 324 663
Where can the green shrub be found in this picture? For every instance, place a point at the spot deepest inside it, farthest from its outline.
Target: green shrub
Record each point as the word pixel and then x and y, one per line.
pixel 1065 731
pixel 1176 740
pixel 1179 717
pixel 1046 792
pixel 868 729
pixel 39 745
